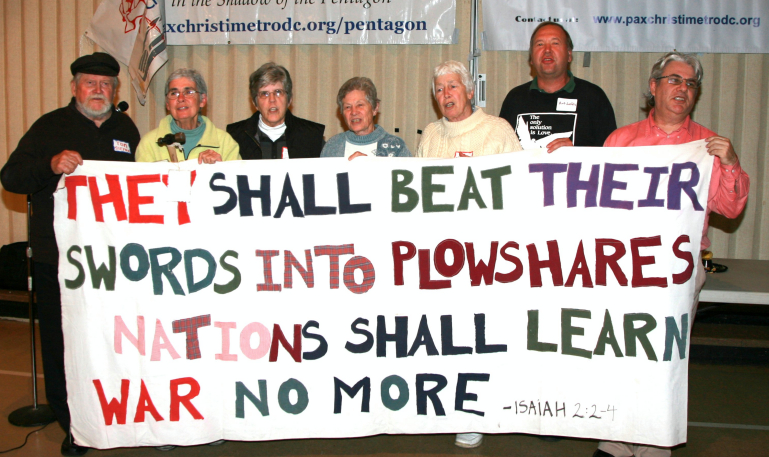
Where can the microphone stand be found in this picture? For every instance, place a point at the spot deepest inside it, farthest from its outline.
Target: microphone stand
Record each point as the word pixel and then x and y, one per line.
pixel 35 414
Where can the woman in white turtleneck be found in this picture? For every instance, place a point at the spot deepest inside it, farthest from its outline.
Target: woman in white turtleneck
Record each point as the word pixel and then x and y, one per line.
pixel 272 132
pixel 464 131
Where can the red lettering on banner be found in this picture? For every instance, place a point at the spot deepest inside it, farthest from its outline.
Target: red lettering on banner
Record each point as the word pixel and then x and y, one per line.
pixel 553 263
pixel 278 337
pixel 306 273
pixel 135 200
pixel 268 285
pixel 400 257
pixel 640 260
pixel 602 260
pixel 364 265
pixel 186 400
pixel 117 410
pixel 113 408
pixel 481 270
pixel 145 405
pixel 680 278
pixel 517 271
pixel 579 267
pixel 72 183
pixel 114 196
pixel 478 272
pixel 457 252
pixel 425 282
pixel 334 252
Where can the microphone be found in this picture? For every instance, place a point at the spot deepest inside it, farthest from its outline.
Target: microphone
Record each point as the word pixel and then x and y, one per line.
pixel 171 139
pixel 122 107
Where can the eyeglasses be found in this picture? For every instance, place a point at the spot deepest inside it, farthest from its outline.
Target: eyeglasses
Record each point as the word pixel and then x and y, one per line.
pixel 265 94
pixel 175 94
pixel 676 80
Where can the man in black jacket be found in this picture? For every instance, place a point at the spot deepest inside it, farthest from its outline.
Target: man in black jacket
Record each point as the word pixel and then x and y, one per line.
pixel 557 109
pixel 88 128
pixel 272 132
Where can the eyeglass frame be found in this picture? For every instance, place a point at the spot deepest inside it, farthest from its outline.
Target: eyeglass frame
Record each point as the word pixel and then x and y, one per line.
pixel 265 94
pixel 179 93
pixel 683 81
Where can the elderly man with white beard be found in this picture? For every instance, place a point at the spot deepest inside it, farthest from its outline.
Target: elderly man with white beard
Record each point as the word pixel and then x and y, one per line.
pixel 89 128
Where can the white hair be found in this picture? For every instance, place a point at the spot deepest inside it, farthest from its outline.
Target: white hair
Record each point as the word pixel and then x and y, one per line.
pixel 452 66
pixel 659 67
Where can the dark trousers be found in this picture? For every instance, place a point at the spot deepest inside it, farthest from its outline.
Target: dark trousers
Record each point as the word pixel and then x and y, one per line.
pixel 52 339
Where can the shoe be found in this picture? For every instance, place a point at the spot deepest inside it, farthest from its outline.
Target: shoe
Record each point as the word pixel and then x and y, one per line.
pixel 600 453
pixel 469 440
pixel 169 447
pixel 68 446
pixel 216 443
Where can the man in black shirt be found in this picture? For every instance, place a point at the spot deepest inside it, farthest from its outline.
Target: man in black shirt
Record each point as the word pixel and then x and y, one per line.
pixel 89 128
pixel 557 109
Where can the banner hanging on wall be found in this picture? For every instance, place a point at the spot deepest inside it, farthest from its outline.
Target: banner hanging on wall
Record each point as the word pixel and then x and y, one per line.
pixel 631 26
pixel 132 32
pixel 524 292
pixel 190 22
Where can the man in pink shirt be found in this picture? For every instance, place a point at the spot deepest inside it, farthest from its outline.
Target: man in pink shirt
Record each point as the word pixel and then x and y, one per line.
pixel 673 85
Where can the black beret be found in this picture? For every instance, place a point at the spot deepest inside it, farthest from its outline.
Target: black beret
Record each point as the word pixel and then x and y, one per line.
pixel 98 63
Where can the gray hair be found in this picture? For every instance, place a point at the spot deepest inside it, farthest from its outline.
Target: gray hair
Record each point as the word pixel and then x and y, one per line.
pixel 452 66
pixel 191 73
pixel 76 79
pixel 270 73
pixel 569 43
pixel 659 67
pixel 361 83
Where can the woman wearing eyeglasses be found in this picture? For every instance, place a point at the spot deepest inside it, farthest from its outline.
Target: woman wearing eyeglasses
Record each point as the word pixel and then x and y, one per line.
pixel 186 95
pixel 273 132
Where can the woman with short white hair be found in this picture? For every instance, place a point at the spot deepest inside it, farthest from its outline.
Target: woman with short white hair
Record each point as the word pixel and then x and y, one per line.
pixel 186 96
pixel 464 130
pixel 359 105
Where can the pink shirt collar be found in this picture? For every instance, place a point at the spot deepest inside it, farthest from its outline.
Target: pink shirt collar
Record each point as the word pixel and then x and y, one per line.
pixel 685 127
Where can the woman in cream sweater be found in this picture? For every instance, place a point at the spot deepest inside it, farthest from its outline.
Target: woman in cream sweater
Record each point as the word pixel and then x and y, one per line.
pixel 464 131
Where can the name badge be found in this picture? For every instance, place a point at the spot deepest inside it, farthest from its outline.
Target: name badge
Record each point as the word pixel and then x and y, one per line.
pixel 566 104
pixel 121 146
pixel 285 152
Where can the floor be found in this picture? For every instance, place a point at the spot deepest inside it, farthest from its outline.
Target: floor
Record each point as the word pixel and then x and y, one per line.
pixel 728 405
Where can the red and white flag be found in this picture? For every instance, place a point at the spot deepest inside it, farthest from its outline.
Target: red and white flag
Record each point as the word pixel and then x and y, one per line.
pixel 132 31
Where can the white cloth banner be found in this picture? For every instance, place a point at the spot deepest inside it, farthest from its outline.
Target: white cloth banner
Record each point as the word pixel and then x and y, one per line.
pixel 524 292
pixel 628 25
pixel 189 22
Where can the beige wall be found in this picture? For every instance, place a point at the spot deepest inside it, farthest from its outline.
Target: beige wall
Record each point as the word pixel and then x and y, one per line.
pixel 40 38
